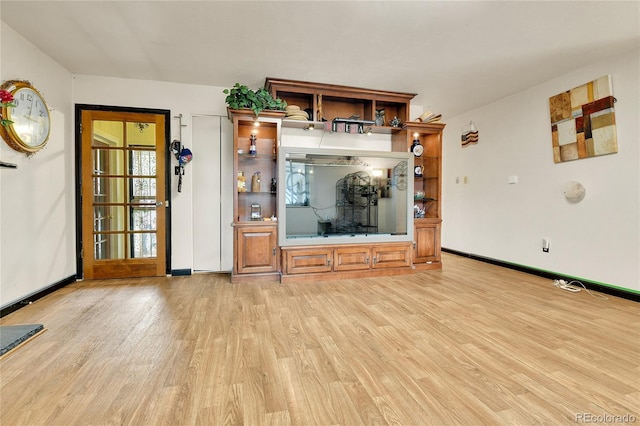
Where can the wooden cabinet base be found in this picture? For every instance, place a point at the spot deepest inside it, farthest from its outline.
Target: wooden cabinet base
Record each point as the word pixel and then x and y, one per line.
pixel 252 278
pixel 317 263
pixel 332 276
pixel 429 266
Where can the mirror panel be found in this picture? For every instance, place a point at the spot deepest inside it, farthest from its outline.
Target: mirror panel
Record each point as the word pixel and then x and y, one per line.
pixel 334 196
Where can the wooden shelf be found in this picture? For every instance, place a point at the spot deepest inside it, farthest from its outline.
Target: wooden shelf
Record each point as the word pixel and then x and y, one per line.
pixel 256 251
pixel 329 101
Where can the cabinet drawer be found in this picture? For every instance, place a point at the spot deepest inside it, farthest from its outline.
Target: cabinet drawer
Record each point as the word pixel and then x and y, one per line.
pixel 387 256
pixel 306 261
pixel 351 258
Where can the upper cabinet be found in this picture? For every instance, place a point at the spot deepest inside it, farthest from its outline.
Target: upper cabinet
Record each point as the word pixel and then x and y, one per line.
pixel 327 102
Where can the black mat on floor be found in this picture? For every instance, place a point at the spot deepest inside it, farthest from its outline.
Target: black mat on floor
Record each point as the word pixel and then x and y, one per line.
pixel 12 335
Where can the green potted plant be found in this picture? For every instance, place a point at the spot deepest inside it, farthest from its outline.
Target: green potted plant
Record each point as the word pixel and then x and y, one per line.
pixel 241 96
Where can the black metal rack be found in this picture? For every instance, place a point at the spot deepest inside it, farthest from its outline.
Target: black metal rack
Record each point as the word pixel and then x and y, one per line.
pixel 356 204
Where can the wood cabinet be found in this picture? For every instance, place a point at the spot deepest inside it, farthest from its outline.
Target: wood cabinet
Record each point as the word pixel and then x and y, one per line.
pixel 329 101
pixel 427 189
pixel 307 260
pixel 426 250
pixel 255 142
pixel 346 261
pixel 256 249
pixel 351 258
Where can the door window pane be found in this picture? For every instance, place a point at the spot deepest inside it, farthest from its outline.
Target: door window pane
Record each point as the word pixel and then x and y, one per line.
pixel 108 190
pixel 108 218
pixel 143 218
pixel 108 133
pixel 144 245
pixel 108 246
pixel 108 162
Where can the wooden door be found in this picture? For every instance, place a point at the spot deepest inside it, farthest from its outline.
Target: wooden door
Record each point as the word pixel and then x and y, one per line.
pixel 257 249
pixel 391 256
pixel 351 258
pixel 427 248
pixel 123 194
pixel 307 260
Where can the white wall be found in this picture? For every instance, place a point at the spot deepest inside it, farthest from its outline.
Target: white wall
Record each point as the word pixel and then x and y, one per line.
pixel 190 101
pixel 37 218
pixel 596 239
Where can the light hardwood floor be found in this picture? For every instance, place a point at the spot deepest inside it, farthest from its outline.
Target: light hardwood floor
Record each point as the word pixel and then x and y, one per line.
pixel 473 344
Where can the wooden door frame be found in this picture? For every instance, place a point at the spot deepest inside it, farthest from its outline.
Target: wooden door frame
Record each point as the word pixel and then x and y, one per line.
pixel 78 175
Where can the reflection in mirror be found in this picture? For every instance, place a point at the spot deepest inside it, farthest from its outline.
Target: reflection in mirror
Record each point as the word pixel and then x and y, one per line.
pixel 344 197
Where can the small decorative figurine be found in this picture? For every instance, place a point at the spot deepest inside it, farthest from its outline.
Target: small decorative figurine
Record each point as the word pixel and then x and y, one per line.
pixel 252 147
pixel 395 122
pixel 379 117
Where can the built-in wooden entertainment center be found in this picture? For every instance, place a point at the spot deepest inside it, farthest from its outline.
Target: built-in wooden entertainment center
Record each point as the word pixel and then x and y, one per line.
pixel 258 253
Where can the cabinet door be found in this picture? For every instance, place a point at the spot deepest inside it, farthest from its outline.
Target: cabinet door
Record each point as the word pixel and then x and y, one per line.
pixel 427 247
pixel 391 256
pixel 256 249
pixel 351 258
pixel 306 261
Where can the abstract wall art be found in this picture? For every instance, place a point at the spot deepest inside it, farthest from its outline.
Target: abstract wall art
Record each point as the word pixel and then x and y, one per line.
pixel 469 135
pixel 583 122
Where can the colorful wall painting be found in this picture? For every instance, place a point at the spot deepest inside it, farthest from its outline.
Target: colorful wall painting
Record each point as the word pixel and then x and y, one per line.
pixel 583 121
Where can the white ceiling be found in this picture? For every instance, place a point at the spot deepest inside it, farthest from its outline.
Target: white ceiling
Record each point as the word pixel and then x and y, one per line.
pixel 456 55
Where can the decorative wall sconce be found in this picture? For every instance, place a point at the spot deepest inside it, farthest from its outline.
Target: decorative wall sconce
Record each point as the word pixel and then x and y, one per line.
pixel 469 134
pixel 573 191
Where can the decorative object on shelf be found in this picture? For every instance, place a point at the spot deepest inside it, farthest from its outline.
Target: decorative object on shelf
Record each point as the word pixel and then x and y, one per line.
pixel 26 123
pixel 256 212
pixel 418 170
pixel 583 121
pixel 242 182
pixel 352 124
pixel 255 182
pixel 574 191
pixel 252 145
pixel 293 112
pixel 429 117
pixel 241 96
pixel 416 146
pixel 274 185
pixel 418 212
pixel 395 122
pixel 469 134
pixel 380 117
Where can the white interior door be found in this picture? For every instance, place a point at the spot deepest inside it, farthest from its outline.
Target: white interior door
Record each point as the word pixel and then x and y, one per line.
pixel 207 206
